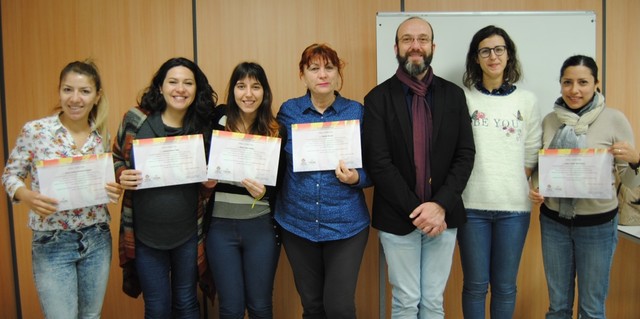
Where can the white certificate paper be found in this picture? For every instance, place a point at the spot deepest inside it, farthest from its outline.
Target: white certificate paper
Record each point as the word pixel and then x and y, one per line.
pixel 174 160
pixel 77 181
pixel 576 173
pixel 236 156
pixel 320 146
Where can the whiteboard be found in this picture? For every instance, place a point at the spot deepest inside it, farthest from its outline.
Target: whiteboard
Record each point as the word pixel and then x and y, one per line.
pixel 543 39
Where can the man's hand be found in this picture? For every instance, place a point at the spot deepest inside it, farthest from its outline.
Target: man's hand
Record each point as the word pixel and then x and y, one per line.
pixel 429 218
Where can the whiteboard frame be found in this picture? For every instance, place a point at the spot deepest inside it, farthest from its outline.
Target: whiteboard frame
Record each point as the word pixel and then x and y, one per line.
pixel 541 38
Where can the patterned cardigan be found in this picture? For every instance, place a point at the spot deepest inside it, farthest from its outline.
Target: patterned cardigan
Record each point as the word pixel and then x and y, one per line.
pixel 122 145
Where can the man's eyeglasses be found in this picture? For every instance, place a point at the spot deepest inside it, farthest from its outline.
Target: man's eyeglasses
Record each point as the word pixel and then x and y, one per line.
pixel 498 50
pixel 422 40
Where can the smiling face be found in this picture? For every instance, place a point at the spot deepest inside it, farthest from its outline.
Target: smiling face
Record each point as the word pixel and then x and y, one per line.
pixel 415 47
pixel 321 77
pixel 78 96
pixel 179 88
pixel 492 66
pixel 248 94
pixel 578 86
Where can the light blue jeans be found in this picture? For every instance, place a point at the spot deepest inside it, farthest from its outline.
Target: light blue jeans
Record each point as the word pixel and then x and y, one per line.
pixel 71 270
pixel 491 245
pixel 585 252
pixel 418 267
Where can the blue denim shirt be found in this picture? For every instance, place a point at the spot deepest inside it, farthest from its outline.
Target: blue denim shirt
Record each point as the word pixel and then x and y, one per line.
pixel 316 205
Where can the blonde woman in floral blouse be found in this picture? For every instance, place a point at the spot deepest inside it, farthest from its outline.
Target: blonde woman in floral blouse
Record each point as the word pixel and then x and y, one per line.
pixel 71 249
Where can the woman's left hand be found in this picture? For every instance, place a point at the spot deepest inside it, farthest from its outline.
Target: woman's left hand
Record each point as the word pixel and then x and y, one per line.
pixel 347 175
pixel 255 188
pixel 114 191
pixel 535 197
pixel 625 152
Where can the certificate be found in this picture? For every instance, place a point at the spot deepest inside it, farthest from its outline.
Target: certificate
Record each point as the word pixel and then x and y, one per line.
pixel 320 146
pixel 77 181
pixel 576 173
pixel 236 156
pixel 166 161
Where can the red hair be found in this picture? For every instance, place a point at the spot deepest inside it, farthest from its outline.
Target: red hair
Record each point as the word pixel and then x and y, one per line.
pixel 323 53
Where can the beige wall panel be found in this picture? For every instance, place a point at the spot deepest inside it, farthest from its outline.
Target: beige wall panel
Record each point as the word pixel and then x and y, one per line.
pixel 274 34
pixel 128 40
pixel 7 283
pixel 623 67
pixel 624 287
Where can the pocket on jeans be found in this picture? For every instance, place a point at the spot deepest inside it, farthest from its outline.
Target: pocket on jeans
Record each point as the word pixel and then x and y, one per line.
pixel 103 227
pixel 43 237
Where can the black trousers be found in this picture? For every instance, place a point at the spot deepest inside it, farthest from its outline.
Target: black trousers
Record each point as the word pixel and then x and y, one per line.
pixel 326 273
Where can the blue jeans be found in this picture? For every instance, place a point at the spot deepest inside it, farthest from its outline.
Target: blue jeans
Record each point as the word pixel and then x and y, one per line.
pixel 168 279
pixel 583 251
pixel 491 245
pixel 418 268
pixel 71 270
pixel 243 256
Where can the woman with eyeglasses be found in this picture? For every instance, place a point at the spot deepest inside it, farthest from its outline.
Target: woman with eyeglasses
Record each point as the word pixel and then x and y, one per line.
pixel 507 131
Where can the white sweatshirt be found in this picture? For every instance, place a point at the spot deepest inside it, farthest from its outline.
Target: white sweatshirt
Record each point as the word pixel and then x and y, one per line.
pixel 508 135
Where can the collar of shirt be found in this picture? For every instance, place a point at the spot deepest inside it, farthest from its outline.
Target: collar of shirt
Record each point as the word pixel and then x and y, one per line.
pixel 504 89
pixel 57 127
pixel 338 105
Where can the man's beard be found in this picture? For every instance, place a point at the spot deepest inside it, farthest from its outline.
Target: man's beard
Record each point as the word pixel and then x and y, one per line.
pixel 414 69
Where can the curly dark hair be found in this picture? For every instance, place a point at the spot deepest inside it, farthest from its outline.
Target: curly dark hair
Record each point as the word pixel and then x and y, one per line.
pixel 200 112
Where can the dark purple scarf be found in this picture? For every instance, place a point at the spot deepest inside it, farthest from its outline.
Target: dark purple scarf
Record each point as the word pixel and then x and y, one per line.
pixel 422 129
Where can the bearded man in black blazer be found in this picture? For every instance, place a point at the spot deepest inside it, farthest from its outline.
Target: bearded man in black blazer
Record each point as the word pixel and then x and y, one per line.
pixel 418 149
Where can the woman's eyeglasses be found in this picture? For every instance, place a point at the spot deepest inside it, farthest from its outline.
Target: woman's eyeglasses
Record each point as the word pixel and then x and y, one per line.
pixel 498 50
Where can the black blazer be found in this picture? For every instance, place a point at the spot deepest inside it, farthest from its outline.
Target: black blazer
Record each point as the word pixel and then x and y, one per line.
pixel 387 140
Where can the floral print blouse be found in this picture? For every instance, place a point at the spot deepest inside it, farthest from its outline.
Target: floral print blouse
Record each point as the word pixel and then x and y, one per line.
pixel 45 139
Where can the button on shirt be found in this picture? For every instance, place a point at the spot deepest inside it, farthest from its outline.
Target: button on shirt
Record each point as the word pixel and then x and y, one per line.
pixel 316 205
pixel 45 139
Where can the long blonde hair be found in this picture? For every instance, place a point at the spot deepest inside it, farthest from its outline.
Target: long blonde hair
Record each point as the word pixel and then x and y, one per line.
pixel 99 115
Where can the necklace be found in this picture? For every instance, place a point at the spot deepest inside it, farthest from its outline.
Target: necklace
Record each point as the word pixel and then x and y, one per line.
pixel 79 138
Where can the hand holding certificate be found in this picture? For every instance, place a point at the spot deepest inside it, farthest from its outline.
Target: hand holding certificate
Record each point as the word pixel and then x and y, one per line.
pixel 174 160
pixel 236 156
pixel 76 182
pixel 320 146
pixel 576 173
